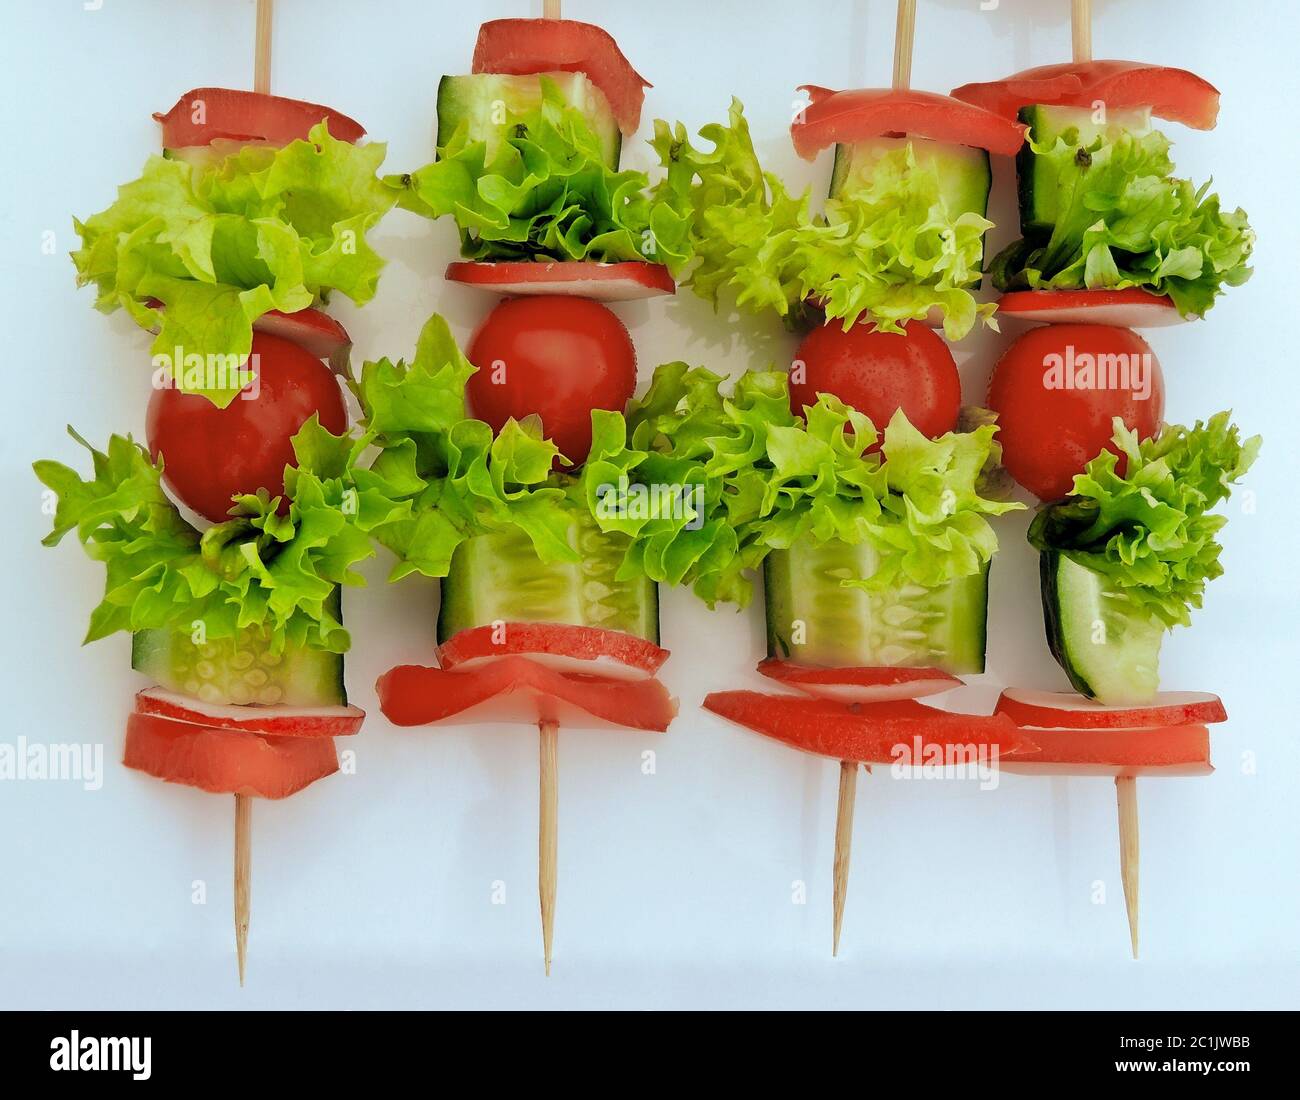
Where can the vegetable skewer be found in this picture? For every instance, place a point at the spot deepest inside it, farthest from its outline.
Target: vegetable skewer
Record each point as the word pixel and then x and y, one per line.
pixel 1125 785
pixel 904 36
pixel 243 803
pixel 548 795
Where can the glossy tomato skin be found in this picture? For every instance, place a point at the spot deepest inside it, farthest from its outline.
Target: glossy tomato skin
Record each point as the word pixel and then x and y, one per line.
pixel 555 356
pixel 1050 432
pixel 209 454
pixel 879 372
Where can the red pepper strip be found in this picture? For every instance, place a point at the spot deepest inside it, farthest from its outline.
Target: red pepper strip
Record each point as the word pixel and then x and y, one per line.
pixel 1170 751
pixel 226 761
pixel 522 46
pixel 901 731
pixel 859 684
pixel 587 645
pixel 204 115
pixel 412 695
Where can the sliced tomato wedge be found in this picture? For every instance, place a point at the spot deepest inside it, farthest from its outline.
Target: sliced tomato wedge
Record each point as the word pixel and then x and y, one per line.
pixel 1132 307
pixel 858 115
pixel 859 685
pixel 203 115
pixel 517 47
pixel 225 761
pixel 313 331
pixel 876 733
pixel 620 282
pixel 1065 710
pixel 276 720
pixel 1165 751
pixel 567 648
pixel 1174 94
pixel 412 695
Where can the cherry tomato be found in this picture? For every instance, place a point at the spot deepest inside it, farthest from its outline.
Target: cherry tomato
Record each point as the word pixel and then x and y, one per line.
pixel 878 373
pixel 555 356
pixel 1056 389
pixel 209 454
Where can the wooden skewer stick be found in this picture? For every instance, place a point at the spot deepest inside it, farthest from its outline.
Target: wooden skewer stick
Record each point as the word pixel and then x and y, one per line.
pixel 1081 29
pixel 904 36
pixel 547 820
pixel 1125 785
pixel 243 802
pixel 243 876
pixel 1126 796
pixel 549 794
pixel 843 842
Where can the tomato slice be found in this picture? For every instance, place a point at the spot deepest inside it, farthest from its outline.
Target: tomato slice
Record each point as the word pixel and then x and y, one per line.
pixel 1174 94
pixel 1065 710
pixel 1165 751
pixel 412 695
pixel 1132 307
pixel 875 733
pixel 859 685
pixel 864 113
pixel 225 761
pixel 569 648
pixel 203 115
pixel 276 720
pixel 315 332
pixel 518 47
pixel 619 282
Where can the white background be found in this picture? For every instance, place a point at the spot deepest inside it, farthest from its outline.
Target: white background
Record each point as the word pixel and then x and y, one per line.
pixel 675 889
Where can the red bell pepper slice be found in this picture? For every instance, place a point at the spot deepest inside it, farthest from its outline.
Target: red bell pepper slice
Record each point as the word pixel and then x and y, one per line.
pixel 521 690
pixel 1065 710
pixel 204 115
pixel 1167 751
pixel 618 282
pixel 1131 307
pixel 276 720
pixel 864 113
pixel 582 649
pixel 1174 94
pixel 859 685
pixel 518 47
pixel 225 761
pixel 903 731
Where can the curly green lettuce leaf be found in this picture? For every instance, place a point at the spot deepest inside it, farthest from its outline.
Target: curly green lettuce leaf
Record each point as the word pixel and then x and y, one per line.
pixel 1125 221
pixel 220 243
pixel 891 251
pixel 755 478
pixel 1149 530
pixel 544 193
pixel 267 567
pixel 457 478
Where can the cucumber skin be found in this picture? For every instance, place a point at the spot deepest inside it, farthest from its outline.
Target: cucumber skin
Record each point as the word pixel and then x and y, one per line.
pixel 1048 565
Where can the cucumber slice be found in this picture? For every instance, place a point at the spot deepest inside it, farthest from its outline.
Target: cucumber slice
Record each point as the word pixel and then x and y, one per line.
pixel 242 670
pixel 1109 649
pixel 498 577
pixel 964 173
pixel 1036 179
pixel 491 103
pixel 813 618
